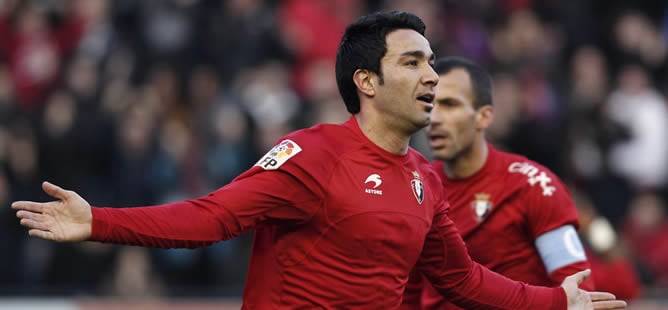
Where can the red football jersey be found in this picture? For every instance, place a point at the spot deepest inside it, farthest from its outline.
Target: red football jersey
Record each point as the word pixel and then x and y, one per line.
pixel 339 224
pixel 500 211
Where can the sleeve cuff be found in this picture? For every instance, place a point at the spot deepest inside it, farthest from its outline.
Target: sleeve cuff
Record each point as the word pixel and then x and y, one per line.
pixel 553 298
pixel 559 301
pixel 100 226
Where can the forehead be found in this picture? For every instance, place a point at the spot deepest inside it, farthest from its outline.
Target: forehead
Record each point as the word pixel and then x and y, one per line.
pixel 406 40
pixel 456 80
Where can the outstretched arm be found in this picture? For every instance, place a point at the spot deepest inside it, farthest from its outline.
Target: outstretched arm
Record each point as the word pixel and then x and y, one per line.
pixel 223 214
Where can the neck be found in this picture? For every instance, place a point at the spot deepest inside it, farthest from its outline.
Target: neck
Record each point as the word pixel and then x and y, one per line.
pixel 383 135
pixel 469 163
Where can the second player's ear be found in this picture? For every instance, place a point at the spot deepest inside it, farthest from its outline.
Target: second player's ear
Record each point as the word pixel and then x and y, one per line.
pixel 484 117
pixel 363 79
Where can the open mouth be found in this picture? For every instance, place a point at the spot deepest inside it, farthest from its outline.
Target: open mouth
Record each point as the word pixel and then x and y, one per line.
pixel 437 140
pixel 427 99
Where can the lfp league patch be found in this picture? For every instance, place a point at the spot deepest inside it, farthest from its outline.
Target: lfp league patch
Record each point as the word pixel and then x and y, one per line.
pixel 278 155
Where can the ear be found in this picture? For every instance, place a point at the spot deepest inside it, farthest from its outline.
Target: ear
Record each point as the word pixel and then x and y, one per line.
pixel 484 117
pixel 363 80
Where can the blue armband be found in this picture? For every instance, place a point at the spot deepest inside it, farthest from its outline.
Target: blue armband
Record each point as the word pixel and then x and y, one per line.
pixel 560 247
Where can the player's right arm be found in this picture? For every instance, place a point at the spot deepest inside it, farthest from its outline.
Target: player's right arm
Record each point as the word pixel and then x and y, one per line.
pixel 221 215
pixel 447 265
pixel 282 186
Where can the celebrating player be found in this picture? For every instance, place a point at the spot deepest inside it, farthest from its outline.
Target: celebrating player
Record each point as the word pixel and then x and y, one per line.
pixel 341 213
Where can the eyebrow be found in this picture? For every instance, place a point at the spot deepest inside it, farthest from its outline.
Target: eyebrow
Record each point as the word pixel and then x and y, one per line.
pixel 448 100
pixel 418 54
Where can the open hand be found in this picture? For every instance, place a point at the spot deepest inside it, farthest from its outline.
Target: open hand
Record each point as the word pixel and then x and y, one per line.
pixel 67 219
pixel 580 299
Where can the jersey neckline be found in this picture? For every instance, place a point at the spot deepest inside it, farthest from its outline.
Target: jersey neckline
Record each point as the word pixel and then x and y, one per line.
pixel 352 124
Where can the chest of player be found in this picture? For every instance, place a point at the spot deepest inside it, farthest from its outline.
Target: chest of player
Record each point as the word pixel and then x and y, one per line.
pixel 382 214
pixel 492 203
pixel 379 199
pixel 359 190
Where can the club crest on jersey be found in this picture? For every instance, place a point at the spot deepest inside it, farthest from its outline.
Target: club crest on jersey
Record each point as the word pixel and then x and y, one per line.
pixel 481 206
pixel 278 155
pixel 418 187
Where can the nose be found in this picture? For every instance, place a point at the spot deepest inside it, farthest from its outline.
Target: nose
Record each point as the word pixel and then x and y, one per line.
pixel 435 116
pixel 430 77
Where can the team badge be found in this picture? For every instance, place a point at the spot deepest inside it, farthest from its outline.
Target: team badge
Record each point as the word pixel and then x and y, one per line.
pixel 278 155
pixel 418 187
pixel 481 206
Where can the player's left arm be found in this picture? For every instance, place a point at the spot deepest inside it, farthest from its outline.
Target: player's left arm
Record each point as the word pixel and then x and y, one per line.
pixel 563 254
pixel 447 265
pixel 553 222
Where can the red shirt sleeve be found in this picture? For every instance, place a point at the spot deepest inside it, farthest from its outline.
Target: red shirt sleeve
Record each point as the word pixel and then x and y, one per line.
pixel 549 207
pixel 548 204
pixel 257 196
pixel 447 265
pixel 560 274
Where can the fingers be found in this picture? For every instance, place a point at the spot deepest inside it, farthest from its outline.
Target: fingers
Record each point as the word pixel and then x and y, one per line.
pixel 22 214
pixel 601 296
pixel 41 234
pixel 33 224
pixel 29 206
pixel 33 220
pixel 54 190
pixel 606 301
pixel 609 305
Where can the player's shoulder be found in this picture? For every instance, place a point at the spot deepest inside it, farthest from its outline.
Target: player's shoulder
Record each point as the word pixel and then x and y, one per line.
pixel 528 174
pixel 318 144
pixel 325 138
pixel 513 163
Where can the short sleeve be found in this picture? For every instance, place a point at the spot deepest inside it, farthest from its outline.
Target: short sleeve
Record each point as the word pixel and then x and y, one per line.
pixel 549 205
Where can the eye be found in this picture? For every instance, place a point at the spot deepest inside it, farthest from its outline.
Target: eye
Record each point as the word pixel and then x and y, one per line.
pixel 448 103
pixel 412 63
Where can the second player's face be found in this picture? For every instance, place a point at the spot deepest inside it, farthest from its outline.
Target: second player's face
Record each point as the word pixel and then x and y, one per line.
pixel 405 98
pixel 453 125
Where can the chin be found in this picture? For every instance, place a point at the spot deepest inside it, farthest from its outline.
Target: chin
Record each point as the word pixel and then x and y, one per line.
pixel 425 122
pixel 442 155
pixel 439 157
pixel 418 125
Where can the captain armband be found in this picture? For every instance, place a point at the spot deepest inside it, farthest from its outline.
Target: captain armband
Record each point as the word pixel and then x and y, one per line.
pixel 560 247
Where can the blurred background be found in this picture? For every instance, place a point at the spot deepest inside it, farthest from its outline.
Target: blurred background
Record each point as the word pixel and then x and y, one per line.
pixel 144 102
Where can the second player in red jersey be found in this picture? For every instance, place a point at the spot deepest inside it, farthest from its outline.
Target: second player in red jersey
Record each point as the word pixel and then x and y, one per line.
pixel 515 215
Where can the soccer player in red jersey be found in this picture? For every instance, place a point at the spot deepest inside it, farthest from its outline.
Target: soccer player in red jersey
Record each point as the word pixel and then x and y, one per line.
pixel 341 213
pixel 515 215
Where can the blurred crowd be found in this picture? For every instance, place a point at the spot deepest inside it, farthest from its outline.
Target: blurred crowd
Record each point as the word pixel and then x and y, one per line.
pixel 135 103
